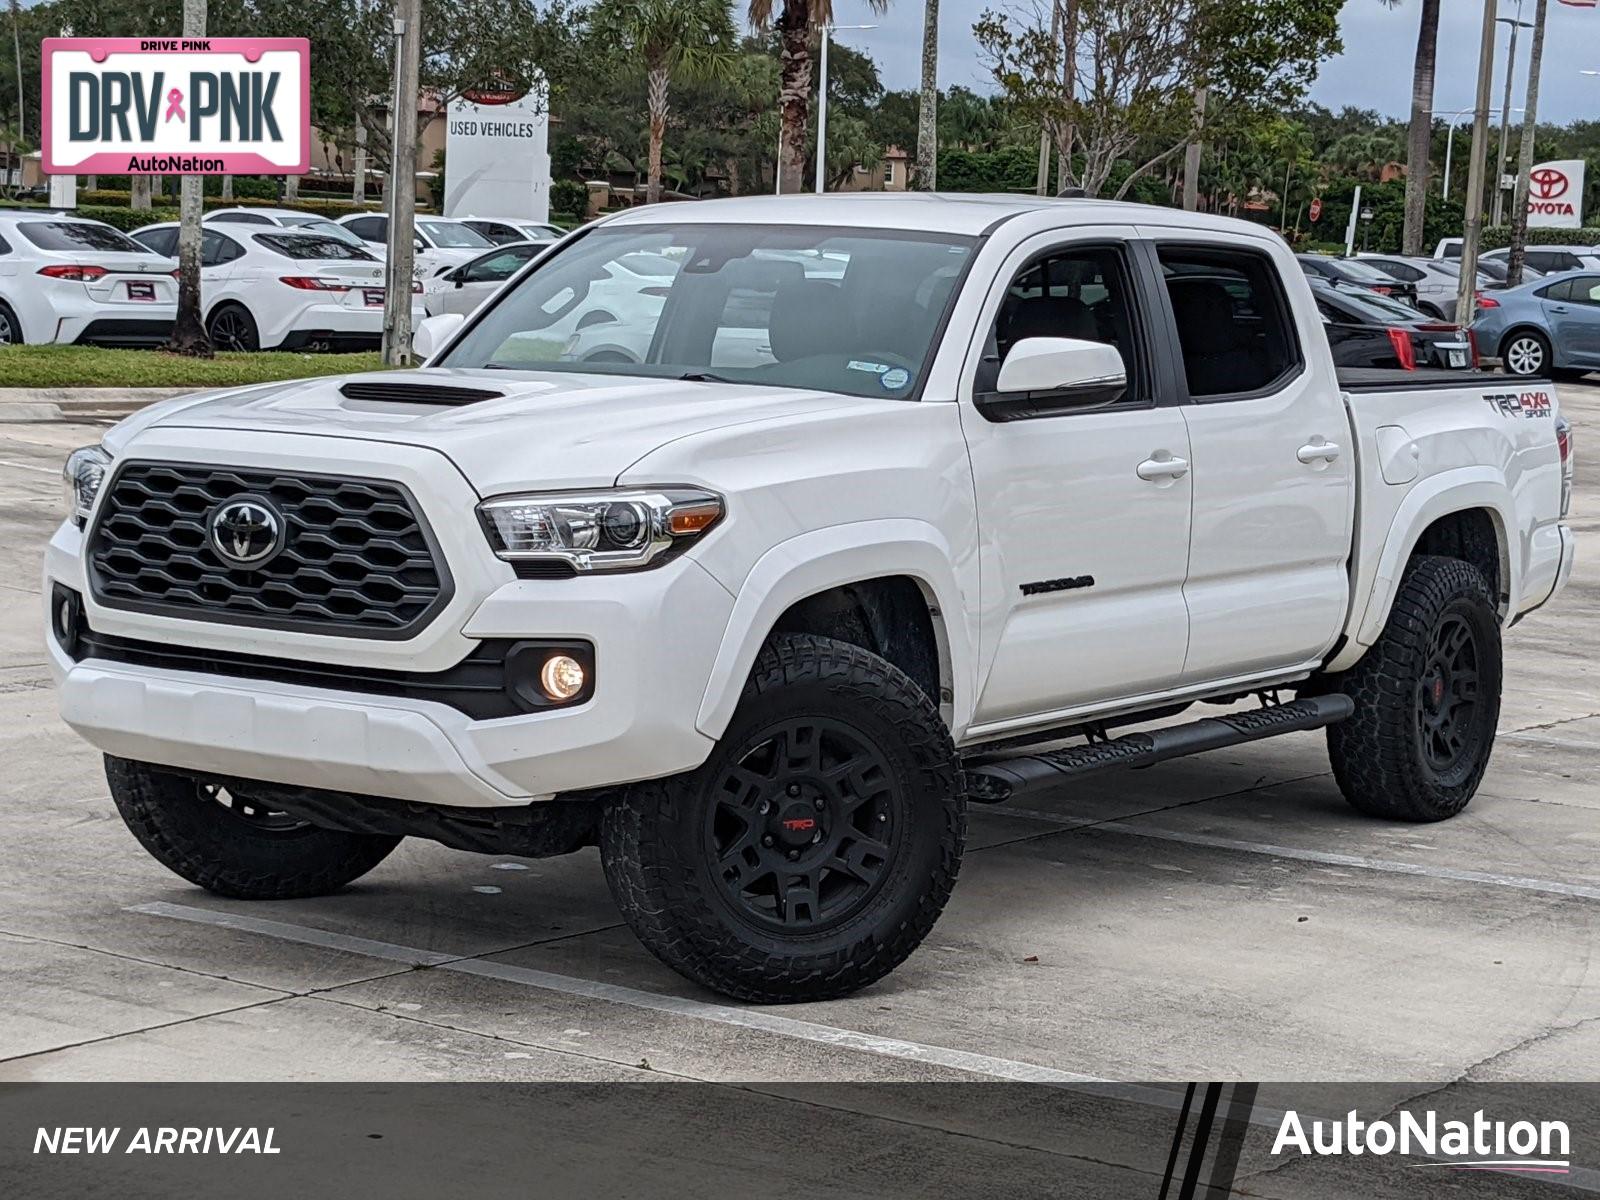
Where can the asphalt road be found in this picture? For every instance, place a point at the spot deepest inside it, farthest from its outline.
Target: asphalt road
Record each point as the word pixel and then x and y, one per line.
pixel 1224 916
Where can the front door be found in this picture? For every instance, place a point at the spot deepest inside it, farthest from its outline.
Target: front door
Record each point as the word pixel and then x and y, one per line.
pixel 1083 515
pixel 1274 467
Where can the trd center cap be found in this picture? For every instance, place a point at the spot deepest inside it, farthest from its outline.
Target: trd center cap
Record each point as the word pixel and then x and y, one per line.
pixel 798 824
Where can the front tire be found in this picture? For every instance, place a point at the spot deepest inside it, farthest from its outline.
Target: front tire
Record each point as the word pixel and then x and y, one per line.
pixel 815 848
pixel 1427 698
pixel 231 845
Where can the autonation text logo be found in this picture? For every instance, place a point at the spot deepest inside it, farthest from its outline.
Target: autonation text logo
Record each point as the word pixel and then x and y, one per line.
pixel 1481 1144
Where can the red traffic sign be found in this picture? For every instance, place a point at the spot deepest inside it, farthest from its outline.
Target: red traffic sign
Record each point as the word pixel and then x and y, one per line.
pixel 1316 208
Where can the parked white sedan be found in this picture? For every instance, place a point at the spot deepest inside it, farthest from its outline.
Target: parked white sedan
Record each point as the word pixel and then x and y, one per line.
pixel 66 279
pixel 441 242
pixel 461 289
pixel 502 231
pixel 279 289
pixel 290 218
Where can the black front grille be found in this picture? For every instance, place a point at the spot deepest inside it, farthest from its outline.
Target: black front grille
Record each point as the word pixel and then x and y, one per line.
pixel 357 559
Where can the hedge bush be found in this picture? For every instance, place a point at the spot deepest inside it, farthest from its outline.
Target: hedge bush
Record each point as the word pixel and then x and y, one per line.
pixel 569 197
pixel 1500 235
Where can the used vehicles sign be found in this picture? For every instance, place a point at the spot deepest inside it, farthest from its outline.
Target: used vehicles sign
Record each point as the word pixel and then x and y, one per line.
pixel 181 106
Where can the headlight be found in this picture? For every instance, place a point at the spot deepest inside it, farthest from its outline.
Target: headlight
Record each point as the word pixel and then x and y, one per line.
pixel 598 531
pixel 81 477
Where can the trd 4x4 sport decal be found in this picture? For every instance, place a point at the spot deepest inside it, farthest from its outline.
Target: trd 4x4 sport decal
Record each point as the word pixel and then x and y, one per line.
pixel 1520 404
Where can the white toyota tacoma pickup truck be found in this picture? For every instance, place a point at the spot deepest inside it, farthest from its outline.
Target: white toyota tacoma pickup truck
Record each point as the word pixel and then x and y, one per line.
pixel 870 507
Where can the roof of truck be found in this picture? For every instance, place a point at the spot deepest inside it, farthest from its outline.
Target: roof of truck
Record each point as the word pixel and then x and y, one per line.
pixel 935 212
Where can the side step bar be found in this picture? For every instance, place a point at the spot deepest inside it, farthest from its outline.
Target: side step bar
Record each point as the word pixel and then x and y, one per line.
pixel 997 782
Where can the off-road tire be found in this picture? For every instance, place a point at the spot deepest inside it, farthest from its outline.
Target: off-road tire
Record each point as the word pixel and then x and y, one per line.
pixel 1379 756
pixel 659 859
pixel 196 836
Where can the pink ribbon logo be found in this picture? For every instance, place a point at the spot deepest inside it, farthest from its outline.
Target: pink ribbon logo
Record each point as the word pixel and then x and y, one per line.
pixel 175 105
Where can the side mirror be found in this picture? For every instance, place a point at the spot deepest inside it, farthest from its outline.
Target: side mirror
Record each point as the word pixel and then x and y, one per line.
pixel 1046 375
pixel 416 244
pixel 433 333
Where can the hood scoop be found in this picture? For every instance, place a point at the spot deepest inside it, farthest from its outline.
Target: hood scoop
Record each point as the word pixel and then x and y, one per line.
pixel 396 392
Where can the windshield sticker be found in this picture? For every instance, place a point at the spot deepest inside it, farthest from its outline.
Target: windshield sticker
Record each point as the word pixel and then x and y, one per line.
pixel 872 368
pixel 896 379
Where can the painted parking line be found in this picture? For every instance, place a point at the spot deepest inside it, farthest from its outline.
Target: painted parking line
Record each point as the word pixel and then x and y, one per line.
pixel 1523 883
pixel 1581 1179
pixel 611 993
pixel 1540 739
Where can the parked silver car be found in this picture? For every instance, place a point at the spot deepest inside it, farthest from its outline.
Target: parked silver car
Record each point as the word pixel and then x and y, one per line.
pixel 1436 280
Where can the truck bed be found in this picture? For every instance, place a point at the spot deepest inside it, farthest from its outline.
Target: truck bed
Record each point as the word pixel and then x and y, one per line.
pixel 1386 379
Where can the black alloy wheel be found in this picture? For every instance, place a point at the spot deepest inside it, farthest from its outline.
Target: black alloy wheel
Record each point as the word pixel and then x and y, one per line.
pixel 802 831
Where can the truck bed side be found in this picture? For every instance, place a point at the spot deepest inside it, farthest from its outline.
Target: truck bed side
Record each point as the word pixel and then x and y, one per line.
pixel 1469 462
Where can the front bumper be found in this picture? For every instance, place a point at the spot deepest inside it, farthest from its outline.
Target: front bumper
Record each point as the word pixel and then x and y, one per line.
pixel 655 635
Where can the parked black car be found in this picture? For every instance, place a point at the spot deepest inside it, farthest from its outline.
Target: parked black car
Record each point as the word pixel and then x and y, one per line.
pixel 1368 330
pixel 1353 273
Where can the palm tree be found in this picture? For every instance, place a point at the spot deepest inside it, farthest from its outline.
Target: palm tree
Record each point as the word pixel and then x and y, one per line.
pixel 1420 139
pixel 693 37
pixel 16 45
pixel 928 101
pixel 797 21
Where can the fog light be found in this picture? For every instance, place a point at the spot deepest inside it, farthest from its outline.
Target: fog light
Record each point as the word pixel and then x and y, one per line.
pixel 562 677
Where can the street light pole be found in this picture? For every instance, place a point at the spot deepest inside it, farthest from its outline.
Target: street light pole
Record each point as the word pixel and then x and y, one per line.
pixel 822 104
pixel 1472 232
pixel 1449 143
pixel 1515 23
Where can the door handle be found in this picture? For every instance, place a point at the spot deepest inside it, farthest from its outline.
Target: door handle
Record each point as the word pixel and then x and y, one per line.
pixel 1318 452
pixel 1560 308
pixel 1154 469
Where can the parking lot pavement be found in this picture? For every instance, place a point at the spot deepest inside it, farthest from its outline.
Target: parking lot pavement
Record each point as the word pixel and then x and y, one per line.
pixel 1224 916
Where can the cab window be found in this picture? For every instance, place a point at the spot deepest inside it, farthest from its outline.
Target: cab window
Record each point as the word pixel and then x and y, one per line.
pixel 1232 320
pixel 1081 293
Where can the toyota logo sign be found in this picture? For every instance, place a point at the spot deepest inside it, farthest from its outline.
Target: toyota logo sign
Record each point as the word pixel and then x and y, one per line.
pixel 1548 183
pixel 1555 194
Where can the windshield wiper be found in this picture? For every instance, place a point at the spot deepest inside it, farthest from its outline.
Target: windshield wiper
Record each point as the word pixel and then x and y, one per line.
pixel 704 377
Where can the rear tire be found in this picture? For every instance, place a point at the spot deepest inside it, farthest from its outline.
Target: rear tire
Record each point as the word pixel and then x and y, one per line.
pixel 1525 352
pixel 231 327
pixel 231 846
pixel 10 327
pixel 1427 698
pixel 814 849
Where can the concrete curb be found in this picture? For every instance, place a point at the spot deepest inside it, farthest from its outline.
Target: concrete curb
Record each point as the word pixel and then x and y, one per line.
pixel 79 404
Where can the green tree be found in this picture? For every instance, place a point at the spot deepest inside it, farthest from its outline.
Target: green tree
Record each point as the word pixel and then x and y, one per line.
pixel 1124 85
pixel 689 37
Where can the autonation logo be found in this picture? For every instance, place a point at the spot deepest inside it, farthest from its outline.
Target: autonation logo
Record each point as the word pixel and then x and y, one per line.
pixel 1482 1144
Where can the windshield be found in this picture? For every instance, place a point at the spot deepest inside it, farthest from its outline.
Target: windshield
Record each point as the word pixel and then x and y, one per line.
pixel 324 228
pixel 852 311
pixel 78 235
pixel 1350 268
pixel 454 236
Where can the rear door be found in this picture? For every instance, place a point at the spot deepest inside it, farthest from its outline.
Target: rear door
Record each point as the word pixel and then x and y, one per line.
pixel 1273 474
pixel 1084 514
pixel 1572 307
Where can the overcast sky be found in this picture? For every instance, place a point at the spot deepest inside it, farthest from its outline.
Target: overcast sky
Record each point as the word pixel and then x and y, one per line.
pixel 1373 72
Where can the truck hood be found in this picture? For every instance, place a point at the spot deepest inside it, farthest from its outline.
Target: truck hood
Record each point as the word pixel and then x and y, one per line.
pixel 547 430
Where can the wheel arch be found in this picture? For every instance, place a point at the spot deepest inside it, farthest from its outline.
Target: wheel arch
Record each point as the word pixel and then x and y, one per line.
pixel 889 586
pixel 1467 514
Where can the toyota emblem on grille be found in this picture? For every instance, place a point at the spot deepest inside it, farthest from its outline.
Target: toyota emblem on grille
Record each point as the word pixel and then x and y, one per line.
pixel 246 532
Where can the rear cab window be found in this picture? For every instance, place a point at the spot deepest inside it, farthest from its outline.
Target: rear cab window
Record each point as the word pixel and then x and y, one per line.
pixel 307 246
